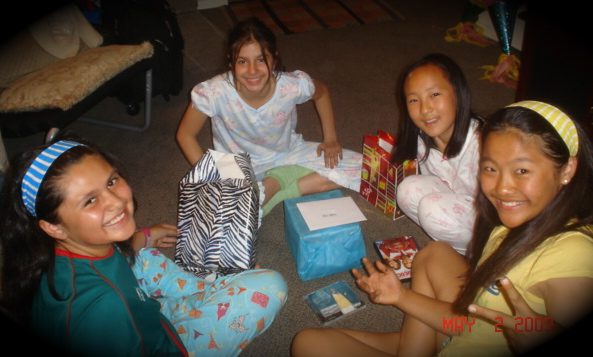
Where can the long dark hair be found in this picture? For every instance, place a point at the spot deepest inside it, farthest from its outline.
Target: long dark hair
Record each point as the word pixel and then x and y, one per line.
pixel 248 30
pixel 27 251
pixel 570 210
pixel 408 132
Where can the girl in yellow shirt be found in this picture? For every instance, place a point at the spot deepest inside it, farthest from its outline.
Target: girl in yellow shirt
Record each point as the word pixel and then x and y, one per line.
pixel 528 273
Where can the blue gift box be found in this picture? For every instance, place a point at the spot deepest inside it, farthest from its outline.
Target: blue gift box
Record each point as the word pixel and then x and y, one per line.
pixel 325 251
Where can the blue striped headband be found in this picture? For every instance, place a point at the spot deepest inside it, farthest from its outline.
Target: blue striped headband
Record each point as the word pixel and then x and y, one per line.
pixel 36 172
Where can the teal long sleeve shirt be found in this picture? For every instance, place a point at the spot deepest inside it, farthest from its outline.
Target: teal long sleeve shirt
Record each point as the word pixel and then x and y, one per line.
pixel 100 310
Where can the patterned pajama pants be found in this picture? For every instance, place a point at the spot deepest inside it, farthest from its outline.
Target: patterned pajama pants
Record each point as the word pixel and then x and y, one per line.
pixel 443 214
pixel 212 318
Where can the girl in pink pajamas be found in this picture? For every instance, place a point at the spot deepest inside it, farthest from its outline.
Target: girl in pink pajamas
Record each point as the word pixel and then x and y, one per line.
pixel 438 128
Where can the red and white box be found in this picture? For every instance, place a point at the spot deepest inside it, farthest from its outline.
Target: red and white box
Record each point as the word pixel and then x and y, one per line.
pixel 379 176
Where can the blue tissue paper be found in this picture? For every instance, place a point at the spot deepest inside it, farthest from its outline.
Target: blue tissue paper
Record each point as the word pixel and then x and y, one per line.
pixel 325 251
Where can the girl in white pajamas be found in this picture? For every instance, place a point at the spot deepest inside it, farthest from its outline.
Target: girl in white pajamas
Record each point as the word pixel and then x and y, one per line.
pixel 252 108
pixel 438 128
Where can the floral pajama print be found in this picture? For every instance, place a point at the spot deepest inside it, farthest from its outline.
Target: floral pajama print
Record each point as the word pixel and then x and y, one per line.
pixel 268 133
pixel 443 214
pixel 441 198
pixel 212 318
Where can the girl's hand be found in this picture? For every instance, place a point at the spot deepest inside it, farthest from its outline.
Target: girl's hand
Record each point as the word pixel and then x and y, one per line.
pixel 526 329
pixel 332 153
pixel 381 284
pixel 162 236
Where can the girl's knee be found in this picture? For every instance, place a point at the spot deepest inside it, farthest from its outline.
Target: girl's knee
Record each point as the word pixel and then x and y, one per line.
pixel 268 277
pixel 405 189
pixel 433 251
pixel 428 205
pixel 410 192
pixel 266 281
pixel 304 342
pixel 315 183
pixel 429 216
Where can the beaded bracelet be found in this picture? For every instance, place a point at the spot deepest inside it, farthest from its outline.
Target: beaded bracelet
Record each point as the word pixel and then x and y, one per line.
pixel 146 232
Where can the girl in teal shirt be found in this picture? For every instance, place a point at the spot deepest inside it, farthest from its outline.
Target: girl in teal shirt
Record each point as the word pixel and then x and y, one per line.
pixel 74 276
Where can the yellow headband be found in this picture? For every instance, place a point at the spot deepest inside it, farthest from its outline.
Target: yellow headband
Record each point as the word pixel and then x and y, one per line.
pixel 560 121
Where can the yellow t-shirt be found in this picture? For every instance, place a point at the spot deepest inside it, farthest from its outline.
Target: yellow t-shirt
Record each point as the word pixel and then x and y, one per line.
pixel 566 255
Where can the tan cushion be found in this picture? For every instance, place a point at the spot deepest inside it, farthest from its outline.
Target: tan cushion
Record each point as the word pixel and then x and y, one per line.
pixel 66 82
pixel 21 55
pixel 61 34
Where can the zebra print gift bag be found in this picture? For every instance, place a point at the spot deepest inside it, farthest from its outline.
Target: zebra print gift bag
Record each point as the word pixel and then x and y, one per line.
pixel 218 215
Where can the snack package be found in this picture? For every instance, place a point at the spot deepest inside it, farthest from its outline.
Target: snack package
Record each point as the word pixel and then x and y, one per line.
pixel 398 253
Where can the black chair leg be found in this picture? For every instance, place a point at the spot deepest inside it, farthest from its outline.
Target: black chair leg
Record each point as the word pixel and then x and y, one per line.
pixel 147 110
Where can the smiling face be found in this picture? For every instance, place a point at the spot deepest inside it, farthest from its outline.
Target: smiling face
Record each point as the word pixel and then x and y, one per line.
pixel 97 209
pixel 517 177
pixel 431 102
pixel 252 75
